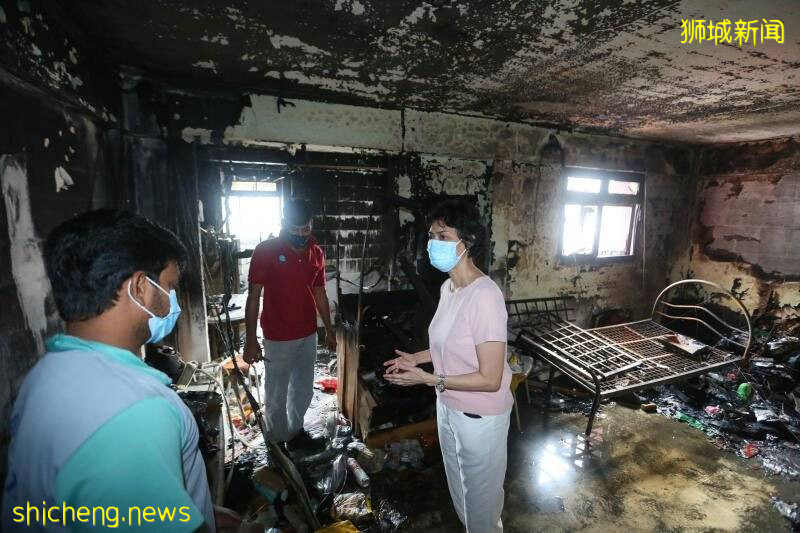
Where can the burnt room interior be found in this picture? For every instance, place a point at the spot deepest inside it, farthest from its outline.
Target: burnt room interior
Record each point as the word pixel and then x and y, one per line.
pixel 640 193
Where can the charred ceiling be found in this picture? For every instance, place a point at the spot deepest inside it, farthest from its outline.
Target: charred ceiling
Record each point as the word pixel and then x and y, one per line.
pixel 612 66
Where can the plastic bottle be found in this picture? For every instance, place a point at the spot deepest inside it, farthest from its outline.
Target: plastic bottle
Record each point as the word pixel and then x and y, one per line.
pixel 744 391
pixel 361 477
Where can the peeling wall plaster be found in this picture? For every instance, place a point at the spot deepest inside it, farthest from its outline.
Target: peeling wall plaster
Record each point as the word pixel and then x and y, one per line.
pixel 527 203
pixel 209 64
pixel 498 162
pixel 317 123
pixel 747 227
pixel 758 222
pixel 203 135
pixel 56 106
pixel 63 179
pixel 50 54
pixel 458 177
pixel 298 121
pixel 428 176
pixel 27 266
pixel 325 124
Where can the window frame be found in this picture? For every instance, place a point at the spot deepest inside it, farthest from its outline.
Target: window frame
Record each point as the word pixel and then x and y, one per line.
pixel 226 194
pixel 277 192
pixel 601 200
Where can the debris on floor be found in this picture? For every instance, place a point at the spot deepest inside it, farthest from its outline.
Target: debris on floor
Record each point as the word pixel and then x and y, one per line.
pixel 649 407
pixel 788 510
pixel 353 506
pixel 753 412
pixel 337 469
pixel 202 404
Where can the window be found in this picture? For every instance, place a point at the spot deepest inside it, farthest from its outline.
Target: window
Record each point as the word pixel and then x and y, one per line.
pixel 254 186
pixel 253 211
pixel 601 210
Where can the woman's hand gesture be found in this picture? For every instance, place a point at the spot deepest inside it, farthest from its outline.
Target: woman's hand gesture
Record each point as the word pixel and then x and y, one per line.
pixel 404 357
pixel 406 374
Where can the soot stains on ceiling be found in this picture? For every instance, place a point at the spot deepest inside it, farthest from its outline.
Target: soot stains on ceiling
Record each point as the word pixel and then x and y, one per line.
pixel 44 49
pixel 614 66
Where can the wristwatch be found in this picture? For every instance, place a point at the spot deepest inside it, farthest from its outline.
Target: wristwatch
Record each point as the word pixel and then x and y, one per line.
pixel 440 383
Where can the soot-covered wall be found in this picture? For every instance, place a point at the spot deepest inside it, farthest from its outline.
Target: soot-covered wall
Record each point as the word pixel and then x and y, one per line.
pixel 500 165
pixel 747 226
pixel 56 160
pixel 527 204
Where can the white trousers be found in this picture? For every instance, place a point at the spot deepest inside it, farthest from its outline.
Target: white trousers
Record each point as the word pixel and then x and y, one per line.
pixel 289 384
pixel 475 455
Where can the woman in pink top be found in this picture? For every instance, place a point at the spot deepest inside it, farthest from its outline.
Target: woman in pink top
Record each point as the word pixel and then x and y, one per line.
pixel 468 350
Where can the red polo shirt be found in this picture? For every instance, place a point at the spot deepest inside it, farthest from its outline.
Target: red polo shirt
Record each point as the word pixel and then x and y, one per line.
pixel 289 279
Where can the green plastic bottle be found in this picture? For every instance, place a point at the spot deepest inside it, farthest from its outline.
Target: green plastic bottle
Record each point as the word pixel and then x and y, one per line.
pixel 744 391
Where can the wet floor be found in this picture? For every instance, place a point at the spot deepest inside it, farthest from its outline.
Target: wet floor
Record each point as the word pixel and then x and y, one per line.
pixel 639 472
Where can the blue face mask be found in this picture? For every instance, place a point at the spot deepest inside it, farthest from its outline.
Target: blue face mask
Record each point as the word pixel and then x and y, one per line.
pixel 160 326
pixel 297 241
pixel 443 254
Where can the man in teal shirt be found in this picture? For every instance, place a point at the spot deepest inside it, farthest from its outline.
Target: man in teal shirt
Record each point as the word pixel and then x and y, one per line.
pixel 98 439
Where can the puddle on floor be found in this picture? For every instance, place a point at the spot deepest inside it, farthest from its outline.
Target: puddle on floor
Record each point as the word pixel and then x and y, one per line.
pixel 637 472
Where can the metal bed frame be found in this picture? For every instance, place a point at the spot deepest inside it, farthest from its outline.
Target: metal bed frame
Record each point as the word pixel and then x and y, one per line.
pixel 607 361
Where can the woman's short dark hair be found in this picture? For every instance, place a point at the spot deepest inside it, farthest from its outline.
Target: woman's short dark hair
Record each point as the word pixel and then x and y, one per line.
pixel 465 218
pixel 89 256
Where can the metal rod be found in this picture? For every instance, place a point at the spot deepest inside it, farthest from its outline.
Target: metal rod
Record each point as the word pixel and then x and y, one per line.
pixel 718 287
pixel 644 230
pixel 625 324
pixel 593 412
pixel 706 324
pixel 568 362
pixel 682 306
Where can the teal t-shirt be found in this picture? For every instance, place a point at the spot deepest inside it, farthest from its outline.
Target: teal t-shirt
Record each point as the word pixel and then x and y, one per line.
pixel 140 465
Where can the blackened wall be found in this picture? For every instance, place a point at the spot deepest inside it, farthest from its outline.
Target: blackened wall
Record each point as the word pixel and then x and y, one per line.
pixel 57 159
pixel 502 166
pixel 349 194
pixel 348 205
pixel 159 175
pixel 746 225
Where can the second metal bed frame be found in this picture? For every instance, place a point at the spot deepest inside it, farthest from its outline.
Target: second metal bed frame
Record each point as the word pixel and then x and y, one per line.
pixel 612 360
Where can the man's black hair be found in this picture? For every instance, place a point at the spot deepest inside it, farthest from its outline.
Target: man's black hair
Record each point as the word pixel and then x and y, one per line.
pixel 297 212
pixel 89 256
pixel 465 218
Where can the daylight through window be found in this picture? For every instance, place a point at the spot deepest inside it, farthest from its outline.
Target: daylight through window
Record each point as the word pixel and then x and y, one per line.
pixel 600 214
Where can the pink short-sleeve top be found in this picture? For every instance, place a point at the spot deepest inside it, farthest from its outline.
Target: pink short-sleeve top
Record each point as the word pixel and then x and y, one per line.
pixel 465 319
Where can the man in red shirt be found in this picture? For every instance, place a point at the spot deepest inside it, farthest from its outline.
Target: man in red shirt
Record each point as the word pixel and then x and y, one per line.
pixel 290 270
